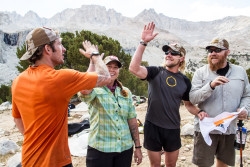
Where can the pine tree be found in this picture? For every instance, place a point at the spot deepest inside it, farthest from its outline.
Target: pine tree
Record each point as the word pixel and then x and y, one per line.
pixel 23 65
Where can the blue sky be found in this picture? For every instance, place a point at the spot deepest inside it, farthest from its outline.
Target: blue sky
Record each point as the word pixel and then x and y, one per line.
pixel 192 10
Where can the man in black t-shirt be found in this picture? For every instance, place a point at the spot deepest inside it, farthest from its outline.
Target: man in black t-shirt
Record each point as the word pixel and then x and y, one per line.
pixel 167 87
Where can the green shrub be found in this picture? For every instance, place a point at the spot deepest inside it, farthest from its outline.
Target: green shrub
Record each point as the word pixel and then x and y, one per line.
pixel 5 94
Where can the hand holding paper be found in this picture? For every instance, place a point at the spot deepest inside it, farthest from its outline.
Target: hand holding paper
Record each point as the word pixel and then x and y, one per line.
pixel 220 123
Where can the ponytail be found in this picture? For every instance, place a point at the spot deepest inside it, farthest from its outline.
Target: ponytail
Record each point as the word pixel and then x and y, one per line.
pixel 123 92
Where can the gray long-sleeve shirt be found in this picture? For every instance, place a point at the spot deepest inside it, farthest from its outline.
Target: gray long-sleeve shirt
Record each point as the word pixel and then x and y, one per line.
pixel 224 98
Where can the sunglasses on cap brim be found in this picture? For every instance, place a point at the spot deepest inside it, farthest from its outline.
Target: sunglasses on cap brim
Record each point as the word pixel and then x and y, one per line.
pixel 172 52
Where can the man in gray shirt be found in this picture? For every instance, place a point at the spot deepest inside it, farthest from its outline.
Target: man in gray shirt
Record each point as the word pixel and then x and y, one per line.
pixel 219 87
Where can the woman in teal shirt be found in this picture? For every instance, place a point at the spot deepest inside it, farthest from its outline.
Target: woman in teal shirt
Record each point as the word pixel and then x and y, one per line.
pixel 113 124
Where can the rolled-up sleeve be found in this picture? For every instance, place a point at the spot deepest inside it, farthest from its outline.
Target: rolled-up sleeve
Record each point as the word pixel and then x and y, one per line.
pixel 131 113
pixel 87 98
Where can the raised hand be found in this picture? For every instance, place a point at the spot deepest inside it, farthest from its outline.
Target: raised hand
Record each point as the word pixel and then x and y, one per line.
pixel 89 48
pixel 147 34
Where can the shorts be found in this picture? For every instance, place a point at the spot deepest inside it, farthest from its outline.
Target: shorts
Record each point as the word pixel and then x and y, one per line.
pixel 222 147
pixel 156 138
pixel 96 158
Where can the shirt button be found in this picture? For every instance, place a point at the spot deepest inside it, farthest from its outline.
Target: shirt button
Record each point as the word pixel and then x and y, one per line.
pixel 117 120
pixel 119 138
pixel 118 129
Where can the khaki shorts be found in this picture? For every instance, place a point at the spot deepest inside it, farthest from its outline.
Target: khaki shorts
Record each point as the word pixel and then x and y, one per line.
pixel 222 147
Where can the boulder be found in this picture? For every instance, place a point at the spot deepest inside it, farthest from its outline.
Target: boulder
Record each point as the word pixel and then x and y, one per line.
pixel 8 146
pixel 15 160
pixel 187 129
pixel 5 106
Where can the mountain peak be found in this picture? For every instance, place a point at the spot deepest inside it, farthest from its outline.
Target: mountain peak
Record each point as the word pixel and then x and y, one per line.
pixel 150 11
pixel 32 14
pixel 93 7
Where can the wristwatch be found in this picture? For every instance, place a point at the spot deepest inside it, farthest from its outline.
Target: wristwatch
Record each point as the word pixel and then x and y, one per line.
pixel 95 53
pixel 201 111
pixel 143 43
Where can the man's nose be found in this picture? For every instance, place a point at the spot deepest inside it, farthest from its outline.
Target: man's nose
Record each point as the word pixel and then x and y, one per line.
pixel 64 49
pixel 169 54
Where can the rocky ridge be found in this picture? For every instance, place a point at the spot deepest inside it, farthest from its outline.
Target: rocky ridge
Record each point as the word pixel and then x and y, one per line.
pixel 193 35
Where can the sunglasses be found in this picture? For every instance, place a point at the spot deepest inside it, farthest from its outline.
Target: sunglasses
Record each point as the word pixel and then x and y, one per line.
pixel 218 50
pixel 173 53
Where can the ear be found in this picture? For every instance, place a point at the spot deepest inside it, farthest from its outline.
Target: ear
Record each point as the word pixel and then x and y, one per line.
pixel 182 59
pixel 47 49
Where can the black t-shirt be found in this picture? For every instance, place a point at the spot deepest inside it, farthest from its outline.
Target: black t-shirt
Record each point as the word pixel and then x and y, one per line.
pixel 165 92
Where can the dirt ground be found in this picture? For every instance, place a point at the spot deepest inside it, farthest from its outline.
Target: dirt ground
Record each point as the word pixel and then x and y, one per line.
pixel 185 155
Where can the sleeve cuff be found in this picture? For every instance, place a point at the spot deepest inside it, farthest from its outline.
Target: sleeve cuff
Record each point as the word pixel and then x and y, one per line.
pixel 211 86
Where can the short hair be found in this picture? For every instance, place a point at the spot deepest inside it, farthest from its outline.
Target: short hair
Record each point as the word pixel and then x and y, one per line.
pixel 39 52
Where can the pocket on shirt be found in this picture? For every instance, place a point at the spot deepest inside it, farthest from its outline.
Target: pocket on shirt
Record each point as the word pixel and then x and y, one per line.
pixel 105 99
pixel 237 85
pixel 124 105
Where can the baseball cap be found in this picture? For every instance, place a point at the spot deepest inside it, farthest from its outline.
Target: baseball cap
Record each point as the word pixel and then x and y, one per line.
pixel 218 43
pixel 112 58
pixel 176 47
pixel 37 37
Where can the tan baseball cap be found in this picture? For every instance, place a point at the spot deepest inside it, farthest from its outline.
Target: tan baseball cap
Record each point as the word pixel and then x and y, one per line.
pixel 176 47
pixel 112 58
pixel 218 43
pixel 37 37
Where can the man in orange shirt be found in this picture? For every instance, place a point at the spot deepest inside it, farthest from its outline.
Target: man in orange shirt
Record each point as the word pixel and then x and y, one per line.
pixel 41 94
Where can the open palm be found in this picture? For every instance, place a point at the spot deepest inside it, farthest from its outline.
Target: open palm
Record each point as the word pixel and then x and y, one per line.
pixel 147 33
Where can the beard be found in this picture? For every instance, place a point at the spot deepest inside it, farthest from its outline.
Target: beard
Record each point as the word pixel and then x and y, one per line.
pixel 220 64
pixel 171 65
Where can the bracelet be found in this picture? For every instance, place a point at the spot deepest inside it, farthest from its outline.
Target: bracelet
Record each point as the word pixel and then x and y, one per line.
pixel 137 147
pixel 143 43
pixel 201 111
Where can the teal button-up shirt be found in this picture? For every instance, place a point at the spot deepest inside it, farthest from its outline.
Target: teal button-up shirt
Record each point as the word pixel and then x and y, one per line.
pixel 109 114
